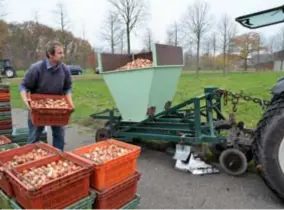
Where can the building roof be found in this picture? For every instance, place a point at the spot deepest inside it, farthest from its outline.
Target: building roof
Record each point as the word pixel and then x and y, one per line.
pixel 263 58
pixel 279 55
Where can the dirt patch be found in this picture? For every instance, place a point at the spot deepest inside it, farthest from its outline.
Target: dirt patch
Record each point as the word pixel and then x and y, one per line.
pixel 90 123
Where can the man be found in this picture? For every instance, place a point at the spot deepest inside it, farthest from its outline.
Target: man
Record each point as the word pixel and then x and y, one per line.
pixel 48 76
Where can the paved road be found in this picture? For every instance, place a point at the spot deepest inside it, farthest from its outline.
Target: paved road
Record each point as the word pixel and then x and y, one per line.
pixel 161 186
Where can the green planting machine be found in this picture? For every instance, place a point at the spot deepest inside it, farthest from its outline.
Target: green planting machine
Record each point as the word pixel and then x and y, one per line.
pixel 144 96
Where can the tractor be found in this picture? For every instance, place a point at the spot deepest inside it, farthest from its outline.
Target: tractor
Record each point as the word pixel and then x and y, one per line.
pixel 6 68
pixel 145 111
pixel 268 144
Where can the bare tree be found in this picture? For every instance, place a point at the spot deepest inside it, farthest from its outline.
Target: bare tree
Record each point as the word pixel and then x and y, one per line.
pixel 3 12
pixel 148 39
pixel 4 46
pixel 207 47
pixel 131 13
pixel 121 41
pixel 260 44
pixel 196 22
pixel 83 32
pixel 271 42
pixel 224 30
pixel 227 31
pixel 64 23
pixel 174 34
pixel 280 45
pixel 231 48
pixel 111 30
pixel 36 37
pixel 232 33
pixel 63 20
pixel 36 16
pixel 213 41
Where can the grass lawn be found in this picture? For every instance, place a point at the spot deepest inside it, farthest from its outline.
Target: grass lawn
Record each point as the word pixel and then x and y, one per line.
pixel 91 94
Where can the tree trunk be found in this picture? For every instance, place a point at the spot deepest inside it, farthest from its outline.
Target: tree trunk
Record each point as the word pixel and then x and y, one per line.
pixel 258 54
pixel 112 42
pixel 128 38
pixel 197 59
pixel 246 64
pixel 224 54
pixel 224 60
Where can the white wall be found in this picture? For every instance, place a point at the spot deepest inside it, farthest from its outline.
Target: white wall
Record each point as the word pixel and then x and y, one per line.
pixel 277 65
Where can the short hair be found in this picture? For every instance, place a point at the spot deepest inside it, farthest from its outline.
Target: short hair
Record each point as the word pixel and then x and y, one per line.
pixel 50 47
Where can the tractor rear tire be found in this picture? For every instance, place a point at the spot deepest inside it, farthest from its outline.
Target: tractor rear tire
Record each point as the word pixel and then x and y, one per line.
pixel 268 147
pixel 10 73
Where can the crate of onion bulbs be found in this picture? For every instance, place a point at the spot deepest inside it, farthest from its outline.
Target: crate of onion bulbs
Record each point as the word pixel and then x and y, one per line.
pixel 7 147
pixel 113 161
pixel 4 140
pixel 19 156
pixel 54 182
pixel 50 110
pixel 7 144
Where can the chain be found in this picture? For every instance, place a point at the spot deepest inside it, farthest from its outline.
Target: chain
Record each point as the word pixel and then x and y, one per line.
pixel 235 98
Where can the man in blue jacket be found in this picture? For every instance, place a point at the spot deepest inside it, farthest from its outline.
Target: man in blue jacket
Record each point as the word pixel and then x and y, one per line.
pixel 48 76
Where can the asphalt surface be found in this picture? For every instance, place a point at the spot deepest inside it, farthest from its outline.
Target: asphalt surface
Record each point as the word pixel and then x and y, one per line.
pixel 162 186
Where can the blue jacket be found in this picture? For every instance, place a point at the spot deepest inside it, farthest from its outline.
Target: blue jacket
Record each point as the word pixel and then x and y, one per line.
pixel 42 78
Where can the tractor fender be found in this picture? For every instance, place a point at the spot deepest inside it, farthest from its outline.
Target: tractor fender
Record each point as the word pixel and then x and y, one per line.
pixel 278 87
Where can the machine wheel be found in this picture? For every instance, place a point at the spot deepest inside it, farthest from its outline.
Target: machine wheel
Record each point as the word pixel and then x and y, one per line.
pixel 103 134
pixel 269 147
pixel 233 162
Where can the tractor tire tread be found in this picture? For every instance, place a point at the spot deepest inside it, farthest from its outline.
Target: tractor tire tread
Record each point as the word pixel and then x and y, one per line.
pixel 262 143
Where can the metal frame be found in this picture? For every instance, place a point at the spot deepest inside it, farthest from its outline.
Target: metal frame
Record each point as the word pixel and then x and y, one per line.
pixel 245 19
pixel 179 124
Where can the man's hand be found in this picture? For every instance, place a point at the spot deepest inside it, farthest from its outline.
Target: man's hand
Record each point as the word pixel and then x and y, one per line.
pixel 69 98
pixel 27 104
pixel 25 99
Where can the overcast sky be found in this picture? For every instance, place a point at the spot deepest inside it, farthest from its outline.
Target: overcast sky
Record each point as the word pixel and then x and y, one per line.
pixel 163 12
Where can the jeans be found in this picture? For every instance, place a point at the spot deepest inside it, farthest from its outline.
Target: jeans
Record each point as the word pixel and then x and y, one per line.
pixel 58 134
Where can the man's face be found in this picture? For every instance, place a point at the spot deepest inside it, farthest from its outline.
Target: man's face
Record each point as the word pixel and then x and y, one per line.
pixel 58 55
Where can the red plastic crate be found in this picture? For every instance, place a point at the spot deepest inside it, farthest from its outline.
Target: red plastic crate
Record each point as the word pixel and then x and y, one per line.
pixel 5 96
pixel 5 109
pixel 118 195
pixel 50 116
pixel 56 194
pixel 114 171
pixel 6 125
pixel 6 156
pixel 4 139
pixel 5 99
pixel 4 90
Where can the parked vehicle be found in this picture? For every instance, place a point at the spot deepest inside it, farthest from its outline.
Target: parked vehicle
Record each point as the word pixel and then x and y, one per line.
pixel 75 70
pixel 6 68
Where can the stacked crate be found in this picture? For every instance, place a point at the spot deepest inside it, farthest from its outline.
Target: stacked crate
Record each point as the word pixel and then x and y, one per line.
pixel 4 201
pixel 114 180
pixel 85 203
pixel 70 191
pixel 5 111
pixel 18 135
pixel 6 144
pixel 108 185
